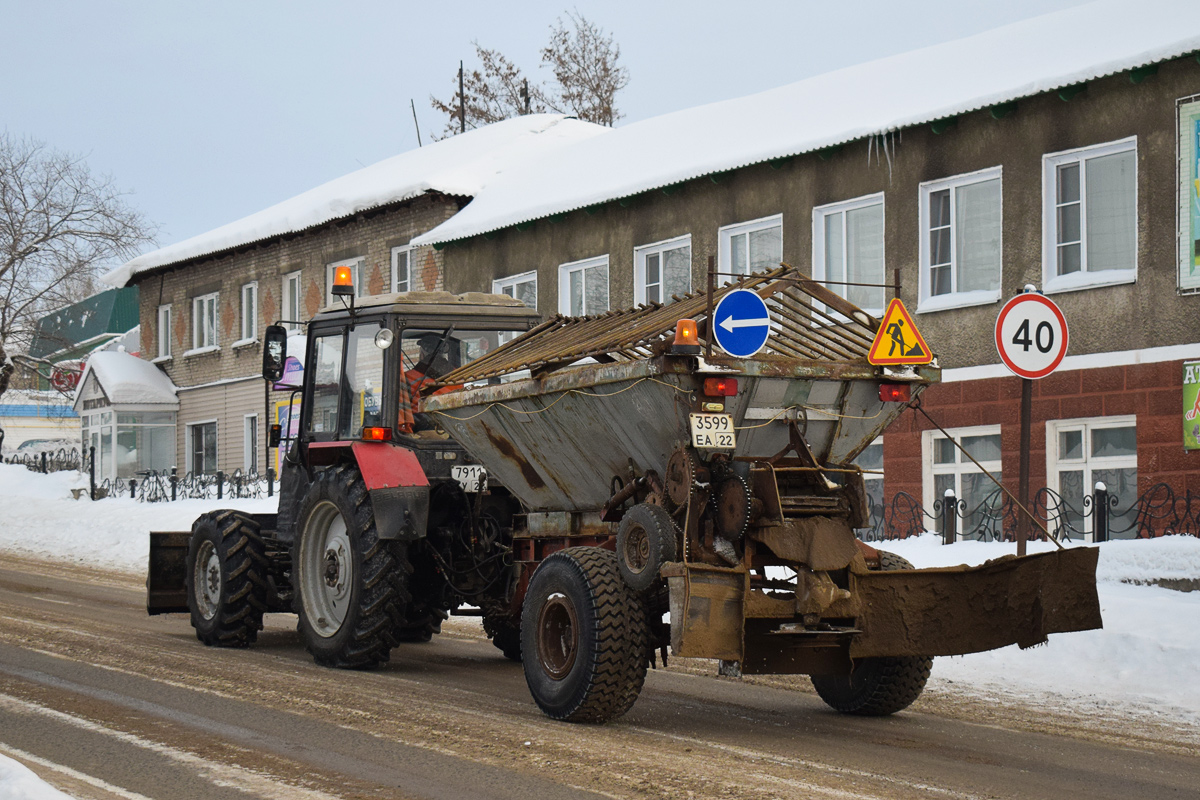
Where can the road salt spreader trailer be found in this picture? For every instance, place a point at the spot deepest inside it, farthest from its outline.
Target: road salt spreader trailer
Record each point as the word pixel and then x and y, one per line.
pixel 580 479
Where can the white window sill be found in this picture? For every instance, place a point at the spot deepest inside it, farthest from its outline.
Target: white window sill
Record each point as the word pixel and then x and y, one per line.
pixel 199 351
pixel 944 302
pixel 244 343
pixel 1077 281
pixel 160 360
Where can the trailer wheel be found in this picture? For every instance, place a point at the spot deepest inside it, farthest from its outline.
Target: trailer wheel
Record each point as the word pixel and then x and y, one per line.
pixel 645 541
pixel 351 586
pixel 877 686
pixel 583 637
pixel 226 579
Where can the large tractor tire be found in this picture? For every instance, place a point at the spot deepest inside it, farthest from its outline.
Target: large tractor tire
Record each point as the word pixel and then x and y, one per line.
pixel 583 637
pixel 351 587
pixel 877 686
pixel 226 579
pixel 431 597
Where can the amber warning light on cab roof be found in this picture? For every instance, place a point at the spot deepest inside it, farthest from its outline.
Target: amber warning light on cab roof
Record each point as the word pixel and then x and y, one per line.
pixel 343 281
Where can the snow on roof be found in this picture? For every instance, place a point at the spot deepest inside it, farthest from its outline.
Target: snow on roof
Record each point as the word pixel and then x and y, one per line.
pixel 128 380
pixel 997 66
pixel 460 165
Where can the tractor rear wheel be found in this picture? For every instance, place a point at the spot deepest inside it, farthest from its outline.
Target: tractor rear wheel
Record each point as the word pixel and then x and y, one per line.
pixel 431 596
pixel 583 637
pixel 877 686
pixel 226 579
pixel 505 635
pixel 351 586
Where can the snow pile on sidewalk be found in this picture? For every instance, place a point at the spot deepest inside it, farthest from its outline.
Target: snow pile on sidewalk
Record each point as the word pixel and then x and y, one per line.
pixel 18 782
pixel 39 517
pixel 1145 661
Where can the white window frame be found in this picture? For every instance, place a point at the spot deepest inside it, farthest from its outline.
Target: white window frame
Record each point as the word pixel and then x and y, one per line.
pixel 294 295
pixel 250 443
pixel 200 344
pixel 955 299
pixel 639 265
pixel 249 331
pixel 191 430
pixel 357 267
pixel 1087 464
pixel 407 250
pixel 1084 279
pixel 962 466
pixel 818 242
pixel 564 284
pixel 725 241
pixel 164 333
pixel 512 281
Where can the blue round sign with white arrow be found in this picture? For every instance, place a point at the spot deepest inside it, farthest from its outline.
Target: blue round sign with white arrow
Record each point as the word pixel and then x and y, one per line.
pixel 743 323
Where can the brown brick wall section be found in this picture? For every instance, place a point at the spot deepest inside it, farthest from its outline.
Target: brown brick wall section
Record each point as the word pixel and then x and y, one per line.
pixel 371 235
pixel 1151 392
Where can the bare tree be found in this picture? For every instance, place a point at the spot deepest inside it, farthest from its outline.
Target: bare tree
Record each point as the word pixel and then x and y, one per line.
pixel 586 79
pixel 60 225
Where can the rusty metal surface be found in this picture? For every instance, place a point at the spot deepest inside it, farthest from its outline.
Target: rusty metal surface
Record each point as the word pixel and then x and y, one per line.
pixel 708 612
pixel 810 323
pixel 958 610
pixel 821 543
pixel 165 592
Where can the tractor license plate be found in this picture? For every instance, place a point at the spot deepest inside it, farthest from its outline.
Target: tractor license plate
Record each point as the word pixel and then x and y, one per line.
pixel 713 431
pixel 472 477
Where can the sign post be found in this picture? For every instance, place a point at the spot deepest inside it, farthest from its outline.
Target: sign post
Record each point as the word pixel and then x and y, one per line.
pixel 1031 338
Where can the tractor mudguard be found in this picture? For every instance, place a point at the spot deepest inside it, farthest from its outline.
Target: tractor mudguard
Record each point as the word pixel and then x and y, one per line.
pixel 398 487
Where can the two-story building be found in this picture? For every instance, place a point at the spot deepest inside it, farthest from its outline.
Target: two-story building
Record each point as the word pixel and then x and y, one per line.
pixel 206 301
pixel 1060 151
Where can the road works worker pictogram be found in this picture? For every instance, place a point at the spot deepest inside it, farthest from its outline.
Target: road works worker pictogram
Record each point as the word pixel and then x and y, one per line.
pixel 898 340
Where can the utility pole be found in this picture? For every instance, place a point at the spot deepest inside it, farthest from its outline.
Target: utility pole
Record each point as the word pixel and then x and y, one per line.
pixel 462 102
pixel 415 124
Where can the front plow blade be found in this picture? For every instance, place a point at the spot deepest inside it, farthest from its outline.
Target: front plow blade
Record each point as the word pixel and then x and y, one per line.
pixel 957 610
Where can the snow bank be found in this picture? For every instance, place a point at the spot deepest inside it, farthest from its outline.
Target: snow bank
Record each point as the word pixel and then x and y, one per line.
pixel 42 519
pixel 872 99
pixel 18 782
pixel 1145 660
pixel 461 165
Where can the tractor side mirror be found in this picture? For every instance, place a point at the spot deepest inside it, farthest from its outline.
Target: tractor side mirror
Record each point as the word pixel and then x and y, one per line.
pixel 274 352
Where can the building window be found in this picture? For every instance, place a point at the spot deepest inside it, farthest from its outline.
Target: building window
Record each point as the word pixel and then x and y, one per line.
pixel 357 270
pixel 250 444
pixel 202 448
pixel 871 461
pixel 848 249
pixel 164 331
pixel 583 287
pixel 751 246
pixel 401 268
pixel 960 240
pixel 291 300
pixel 1090 216
pixel 947 469
pixel 523 287
pixel 662 269
pixel 1080 452
pixel 204 321
pixel 250 312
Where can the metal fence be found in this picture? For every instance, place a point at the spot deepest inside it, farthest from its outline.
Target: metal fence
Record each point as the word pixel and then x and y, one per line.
pixel 155 487
pixel 49 460
pixel 1159 511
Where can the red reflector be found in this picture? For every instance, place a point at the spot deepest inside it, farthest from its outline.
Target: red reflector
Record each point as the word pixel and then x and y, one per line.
pixel 377 434
pixel 720 387
pixel 895 392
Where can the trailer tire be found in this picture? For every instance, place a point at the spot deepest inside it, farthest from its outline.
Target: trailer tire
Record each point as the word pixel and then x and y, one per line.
pixel 351 587
pixel 583 637
pixel 226 579
pixel 645 541
pixel 877 686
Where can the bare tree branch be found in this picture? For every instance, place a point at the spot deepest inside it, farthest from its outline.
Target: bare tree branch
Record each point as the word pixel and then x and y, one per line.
pixel 60 226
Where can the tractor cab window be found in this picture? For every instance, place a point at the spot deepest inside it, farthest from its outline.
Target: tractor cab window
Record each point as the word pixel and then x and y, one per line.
pixel 427 355
pixel 364 381
pixel 326 381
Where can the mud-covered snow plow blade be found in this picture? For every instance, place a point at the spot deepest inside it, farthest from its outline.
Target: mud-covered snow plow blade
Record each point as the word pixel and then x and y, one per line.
pixel 601 438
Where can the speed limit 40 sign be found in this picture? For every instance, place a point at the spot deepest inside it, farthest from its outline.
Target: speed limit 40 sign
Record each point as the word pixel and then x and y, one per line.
pixel 1031 335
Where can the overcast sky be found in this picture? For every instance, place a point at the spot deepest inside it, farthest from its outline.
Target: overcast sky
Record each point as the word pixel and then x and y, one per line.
pixel 209 111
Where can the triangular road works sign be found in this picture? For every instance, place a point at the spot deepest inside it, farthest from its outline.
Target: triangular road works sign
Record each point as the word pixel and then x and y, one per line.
pixel 898 340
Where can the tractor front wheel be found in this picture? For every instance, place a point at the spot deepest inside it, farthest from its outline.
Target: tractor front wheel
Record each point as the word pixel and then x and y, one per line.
pixel 226 579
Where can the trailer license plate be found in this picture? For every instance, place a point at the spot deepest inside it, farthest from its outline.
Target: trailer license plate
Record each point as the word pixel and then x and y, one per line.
pixel 472 478
pixel 713 431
